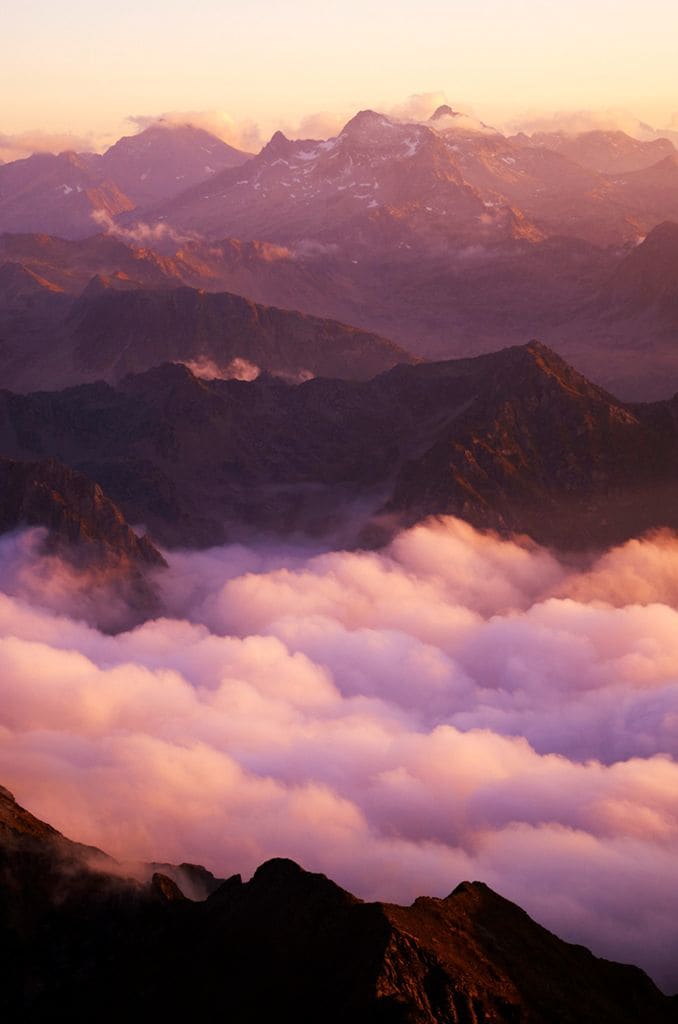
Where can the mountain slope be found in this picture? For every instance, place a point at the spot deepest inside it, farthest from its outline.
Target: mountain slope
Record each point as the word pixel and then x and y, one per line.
pixel 74 510
pixel 116 332
pixel 59 195
pixel 385 185
pixel 76 934
pixel 378 184
pixel 165 159
pixel 86 540
pixel 626 334
pixel 116 327
pixel 515 441
pixel 609 152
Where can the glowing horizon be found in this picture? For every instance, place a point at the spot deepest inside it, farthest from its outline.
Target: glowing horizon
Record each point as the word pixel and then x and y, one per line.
pixel 71 69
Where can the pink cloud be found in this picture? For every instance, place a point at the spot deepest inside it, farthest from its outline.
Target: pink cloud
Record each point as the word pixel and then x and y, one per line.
pixel 453 706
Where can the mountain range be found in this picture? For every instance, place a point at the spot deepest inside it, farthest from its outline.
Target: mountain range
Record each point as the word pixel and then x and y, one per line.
pixel 79 931
pixel 65 193
pixel 323 342
pixel 50 338
pixel 445 236
pixel 386 184
pixel 611 313
pixel 516 441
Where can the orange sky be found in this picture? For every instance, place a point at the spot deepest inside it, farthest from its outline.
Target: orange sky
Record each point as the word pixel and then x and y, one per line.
pixel 80 67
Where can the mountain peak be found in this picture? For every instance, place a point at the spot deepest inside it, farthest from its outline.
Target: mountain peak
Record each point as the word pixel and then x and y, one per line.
pixel 278 145
pixel 365 122
pixel 281 877
pixel 444 110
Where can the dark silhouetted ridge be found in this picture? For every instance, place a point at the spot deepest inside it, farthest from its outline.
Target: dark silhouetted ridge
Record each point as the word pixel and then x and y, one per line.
pixel 75 933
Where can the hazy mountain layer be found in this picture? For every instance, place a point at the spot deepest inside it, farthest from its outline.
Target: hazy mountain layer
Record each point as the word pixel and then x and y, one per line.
pixel 610 313
pixel 50 339
pixel 70 193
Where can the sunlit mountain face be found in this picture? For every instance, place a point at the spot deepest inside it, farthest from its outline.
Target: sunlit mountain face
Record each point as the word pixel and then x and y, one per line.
pixel 338 512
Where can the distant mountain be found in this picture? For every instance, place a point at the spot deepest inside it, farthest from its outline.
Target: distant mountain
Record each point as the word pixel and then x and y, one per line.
pixel 117 327
pixel 165 159
pixel 57 194
pixel 553 192
pixel 383 185
pixel 443 304
pixel 380 186
pixel 70 193
pixel 627 334
pixel 379 183
pixel 75 933
pixel 516 441
pixel 609 152
pixel 650 194
pixel 68 265
pixel 567 292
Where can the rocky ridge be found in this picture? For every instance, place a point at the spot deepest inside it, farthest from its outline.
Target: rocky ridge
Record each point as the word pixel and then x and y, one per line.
pixel 76 932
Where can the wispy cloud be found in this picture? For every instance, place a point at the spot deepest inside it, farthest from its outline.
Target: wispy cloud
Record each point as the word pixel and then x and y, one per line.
pixel 22 144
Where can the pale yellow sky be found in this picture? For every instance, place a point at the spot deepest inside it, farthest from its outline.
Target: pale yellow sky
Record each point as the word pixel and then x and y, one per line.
pixel 82 67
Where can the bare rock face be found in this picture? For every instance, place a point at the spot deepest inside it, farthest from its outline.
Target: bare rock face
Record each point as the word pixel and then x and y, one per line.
pixel 86 532
pixel 72 508
pixel 76 933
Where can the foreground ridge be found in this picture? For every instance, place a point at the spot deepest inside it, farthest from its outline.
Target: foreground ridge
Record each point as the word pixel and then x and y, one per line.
pixel 76 933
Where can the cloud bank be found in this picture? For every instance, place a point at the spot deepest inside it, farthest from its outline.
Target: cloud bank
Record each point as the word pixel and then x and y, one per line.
pixel 572 122
pixel 19 145
pixel 455 706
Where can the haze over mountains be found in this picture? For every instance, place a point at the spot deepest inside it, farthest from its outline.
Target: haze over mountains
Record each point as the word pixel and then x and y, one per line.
pixel 444 236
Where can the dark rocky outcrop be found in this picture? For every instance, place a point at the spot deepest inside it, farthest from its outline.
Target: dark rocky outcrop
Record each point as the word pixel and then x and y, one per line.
pixel 110 565
pixel 78 937
pixel 74 510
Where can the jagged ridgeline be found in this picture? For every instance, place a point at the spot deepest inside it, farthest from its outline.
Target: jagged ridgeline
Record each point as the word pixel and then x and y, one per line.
pixel 79 934
pixel 515 441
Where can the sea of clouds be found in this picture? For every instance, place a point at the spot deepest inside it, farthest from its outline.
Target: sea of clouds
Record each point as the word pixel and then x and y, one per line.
pixel 453 707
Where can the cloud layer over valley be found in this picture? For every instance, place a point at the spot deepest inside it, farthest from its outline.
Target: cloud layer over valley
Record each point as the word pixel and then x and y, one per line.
pixel 452 707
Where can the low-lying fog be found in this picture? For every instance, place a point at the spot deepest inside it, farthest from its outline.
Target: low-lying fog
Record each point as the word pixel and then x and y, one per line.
pixel 452 707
